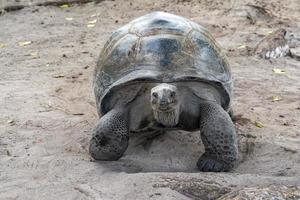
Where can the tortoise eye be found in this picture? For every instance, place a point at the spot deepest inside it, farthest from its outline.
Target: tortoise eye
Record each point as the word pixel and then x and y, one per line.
pixel 154 94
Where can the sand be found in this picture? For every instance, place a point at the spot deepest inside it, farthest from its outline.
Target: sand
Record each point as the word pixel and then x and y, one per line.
pixel 48 109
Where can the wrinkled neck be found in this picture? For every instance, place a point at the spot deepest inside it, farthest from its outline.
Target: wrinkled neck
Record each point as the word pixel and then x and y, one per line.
pixel 169 118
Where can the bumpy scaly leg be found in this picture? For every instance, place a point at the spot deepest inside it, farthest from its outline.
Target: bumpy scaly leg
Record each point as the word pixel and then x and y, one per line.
pixel 219 138
pixel 110 136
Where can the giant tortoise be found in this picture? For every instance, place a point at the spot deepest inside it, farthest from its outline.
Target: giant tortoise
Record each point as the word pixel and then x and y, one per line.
pixel 164 72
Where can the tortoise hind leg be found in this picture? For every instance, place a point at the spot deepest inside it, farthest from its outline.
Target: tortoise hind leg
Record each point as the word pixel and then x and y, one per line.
pixel 110 136
pixel 219 138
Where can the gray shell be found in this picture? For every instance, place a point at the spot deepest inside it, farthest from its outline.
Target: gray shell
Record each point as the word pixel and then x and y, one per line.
pixel 158 47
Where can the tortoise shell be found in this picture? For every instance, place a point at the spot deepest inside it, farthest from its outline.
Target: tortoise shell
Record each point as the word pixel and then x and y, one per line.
pixel 159 47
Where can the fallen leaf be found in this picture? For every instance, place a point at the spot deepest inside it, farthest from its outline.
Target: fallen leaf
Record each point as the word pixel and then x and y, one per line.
pixel 242 46
pixel 258 124
pixel 278 71
pixel 58 76
pixel 64 6
pixel 92 21
pixel 69 18
pixel 91 25
pixel 276 98
pixel 25 43
pixel 33 54
pixel 2 45
pixel 11 122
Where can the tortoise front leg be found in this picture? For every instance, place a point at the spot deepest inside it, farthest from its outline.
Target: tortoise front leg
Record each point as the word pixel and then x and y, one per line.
pixel 219 138
pixel 110 136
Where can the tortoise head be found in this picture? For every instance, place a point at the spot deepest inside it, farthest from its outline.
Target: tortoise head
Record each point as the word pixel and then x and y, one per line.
pixel 165 104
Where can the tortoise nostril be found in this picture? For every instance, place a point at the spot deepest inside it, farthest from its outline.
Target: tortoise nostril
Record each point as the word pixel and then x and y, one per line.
pixel 172 94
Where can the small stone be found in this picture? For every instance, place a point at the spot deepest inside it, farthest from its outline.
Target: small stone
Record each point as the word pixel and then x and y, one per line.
pixel 58 89
pixel 91 25
pixel 286 124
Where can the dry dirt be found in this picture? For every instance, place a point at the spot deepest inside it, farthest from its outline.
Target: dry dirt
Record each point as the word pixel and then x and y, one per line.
pixel 48 109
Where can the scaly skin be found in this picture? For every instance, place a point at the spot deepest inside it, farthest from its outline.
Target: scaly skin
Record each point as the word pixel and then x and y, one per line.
pixel 219 138
pixel 110 136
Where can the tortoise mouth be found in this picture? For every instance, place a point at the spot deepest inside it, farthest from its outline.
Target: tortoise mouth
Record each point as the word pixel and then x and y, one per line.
pixel 165 108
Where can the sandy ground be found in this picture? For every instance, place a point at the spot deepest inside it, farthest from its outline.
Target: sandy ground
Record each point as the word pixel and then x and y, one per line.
pixel 48 109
